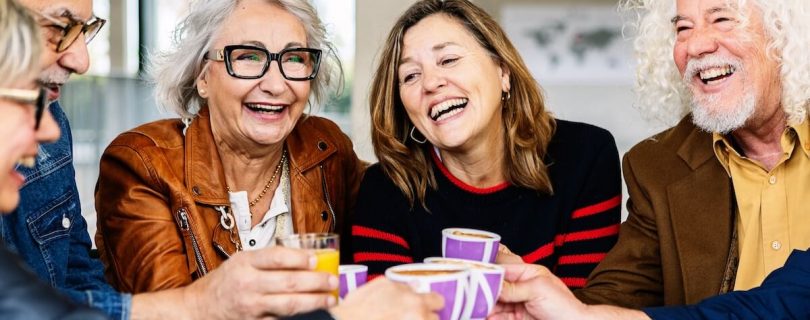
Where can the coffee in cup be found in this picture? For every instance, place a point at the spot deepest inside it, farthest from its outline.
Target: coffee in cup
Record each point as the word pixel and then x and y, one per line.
pixel 470 244
pixel 485 284
pixel 450 281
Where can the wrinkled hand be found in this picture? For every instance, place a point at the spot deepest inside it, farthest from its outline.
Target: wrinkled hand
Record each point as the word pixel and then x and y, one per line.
pixel 271 282
pixel 533 292
pixel 382 299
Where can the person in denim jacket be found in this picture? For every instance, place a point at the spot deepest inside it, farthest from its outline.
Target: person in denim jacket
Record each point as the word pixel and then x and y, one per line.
pixel 47 230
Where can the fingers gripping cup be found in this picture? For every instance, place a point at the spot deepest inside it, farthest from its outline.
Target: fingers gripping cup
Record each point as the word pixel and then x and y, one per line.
pixel 450 281
pixel 325 245
pixel 470 244
pixel 485 284
pixel 352 276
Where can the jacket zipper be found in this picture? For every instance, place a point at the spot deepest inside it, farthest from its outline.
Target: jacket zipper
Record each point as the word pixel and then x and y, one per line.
pixel 185 226
pixel 326 196
pixel 222 250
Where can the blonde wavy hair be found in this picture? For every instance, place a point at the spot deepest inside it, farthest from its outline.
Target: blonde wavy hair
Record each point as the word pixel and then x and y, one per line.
pixel 660 92
pixel 20 44
pixel 527 125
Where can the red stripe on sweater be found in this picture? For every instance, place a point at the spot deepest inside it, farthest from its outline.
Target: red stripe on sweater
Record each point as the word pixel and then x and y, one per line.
pixel 574 282
pixel 587 235
pixel 542 252
pixel 375 256
pixel 597 208
pixel 366 232
pixel 464 186
pixel 581 258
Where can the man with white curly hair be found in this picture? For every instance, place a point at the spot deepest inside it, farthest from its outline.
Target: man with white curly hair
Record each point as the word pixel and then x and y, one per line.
pixel 717 202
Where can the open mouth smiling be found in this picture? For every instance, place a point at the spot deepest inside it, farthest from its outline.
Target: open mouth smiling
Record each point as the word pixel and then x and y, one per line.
pixel 715 74
pixel 265 108
pixel 447 108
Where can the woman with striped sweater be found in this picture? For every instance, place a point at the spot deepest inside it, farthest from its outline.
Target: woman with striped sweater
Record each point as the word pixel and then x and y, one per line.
pixel 464 140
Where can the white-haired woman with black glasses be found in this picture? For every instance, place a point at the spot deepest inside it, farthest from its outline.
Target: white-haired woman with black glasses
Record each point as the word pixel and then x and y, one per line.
pixel 243 164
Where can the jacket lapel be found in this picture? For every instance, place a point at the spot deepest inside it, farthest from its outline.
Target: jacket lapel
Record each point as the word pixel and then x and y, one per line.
pixel 207 186
pixel 702 217
pixel 308 149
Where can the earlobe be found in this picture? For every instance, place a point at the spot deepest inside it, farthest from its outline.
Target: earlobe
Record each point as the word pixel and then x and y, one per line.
pixel 506 83
pixel 202 85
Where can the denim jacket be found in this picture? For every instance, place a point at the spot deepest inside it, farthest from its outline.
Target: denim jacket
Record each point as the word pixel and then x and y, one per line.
pixel 49 233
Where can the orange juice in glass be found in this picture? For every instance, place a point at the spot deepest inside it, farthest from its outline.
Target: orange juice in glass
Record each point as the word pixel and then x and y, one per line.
pixel 325 245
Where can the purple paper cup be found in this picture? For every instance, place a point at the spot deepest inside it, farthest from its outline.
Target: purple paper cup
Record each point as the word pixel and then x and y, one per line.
pixel 352 276
pixel 470 244
pixel 485 284
pixel 450 281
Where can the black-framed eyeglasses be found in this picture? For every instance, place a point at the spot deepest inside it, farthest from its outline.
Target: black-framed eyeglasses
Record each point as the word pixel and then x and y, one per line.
pixel 249 62
pixel 67 33
pixel 35 98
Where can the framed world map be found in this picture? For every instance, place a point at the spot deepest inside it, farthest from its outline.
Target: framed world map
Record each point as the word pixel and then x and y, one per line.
pixel 581 44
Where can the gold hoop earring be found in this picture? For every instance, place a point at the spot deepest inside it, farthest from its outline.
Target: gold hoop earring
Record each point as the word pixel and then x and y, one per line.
pixel 506 95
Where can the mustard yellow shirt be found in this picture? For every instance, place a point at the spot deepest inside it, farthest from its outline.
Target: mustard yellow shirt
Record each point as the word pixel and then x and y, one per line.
pixel 773 207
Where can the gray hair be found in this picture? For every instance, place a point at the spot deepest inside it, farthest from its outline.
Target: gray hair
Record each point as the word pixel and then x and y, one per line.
pixel 175 72
pixel 660 92
pixel 20 43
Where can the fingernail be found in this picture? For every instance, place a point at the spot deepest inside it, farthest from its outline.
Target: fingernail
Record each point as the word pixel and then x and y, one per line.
pixel 313 261
pixel 331 301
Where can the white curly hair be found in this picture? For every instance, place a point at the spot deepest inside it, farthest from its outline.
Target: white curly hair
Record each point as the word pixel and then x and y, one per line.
pixel 660 92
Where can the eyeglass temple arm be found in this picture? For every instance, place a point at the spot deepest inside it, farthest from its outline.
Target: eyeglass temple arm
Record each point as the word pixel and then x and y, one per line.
pixel 29 95
pixel 216 55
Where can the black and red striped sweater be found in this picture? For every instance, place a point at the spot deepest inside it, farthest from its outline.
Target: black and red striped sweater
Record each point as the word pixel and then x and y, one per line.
pixel 569 232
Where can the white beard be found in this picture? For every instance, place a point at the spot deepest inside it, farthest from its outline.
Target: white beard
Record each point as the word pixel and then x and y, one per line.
pixel 709 115
pixel 719 112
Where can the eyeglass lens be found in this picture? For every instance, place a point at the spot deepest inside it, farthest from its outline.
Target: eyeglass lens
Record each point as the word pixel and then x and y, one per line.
pixel 73 31
pixel 297 64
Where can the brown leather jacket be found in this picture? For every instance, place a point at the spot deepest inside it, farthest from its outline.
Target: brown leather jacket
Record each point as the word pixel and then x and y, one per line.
pixel 158 193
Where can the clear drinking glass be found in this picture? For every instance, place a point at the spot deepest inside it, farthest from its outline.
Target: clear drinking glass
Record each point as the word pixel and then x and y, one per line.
pixel 325 245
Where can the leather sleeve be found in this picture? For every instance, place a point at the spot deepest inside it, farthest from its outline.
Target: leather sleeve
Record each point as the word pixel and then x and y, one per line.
pixel 630 275
pixel 138 239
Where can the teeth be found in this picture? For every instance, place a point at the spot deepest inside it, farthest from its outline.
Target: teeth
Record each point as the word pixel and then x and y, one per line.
pixel 715 72
pixel 27 162
pixel 437 109
pixel 448 114
pixel 264 107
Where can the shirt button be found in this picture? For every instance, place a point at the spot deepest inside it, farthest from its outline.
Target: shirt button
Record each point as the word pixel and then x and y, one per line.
pixel 65 222
pixel 252 242
pixel 772 180
pixel 776 245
